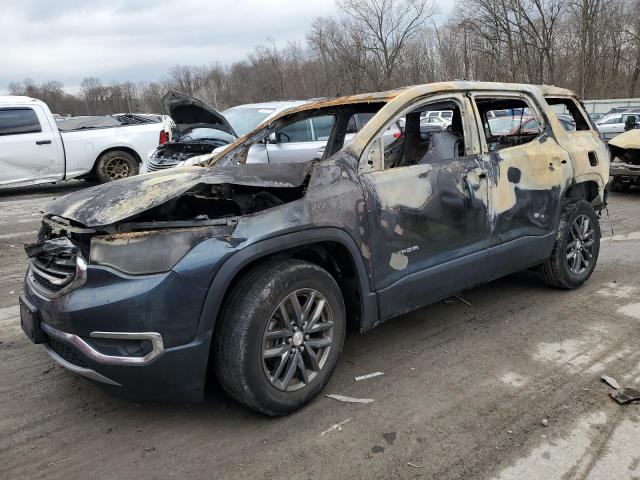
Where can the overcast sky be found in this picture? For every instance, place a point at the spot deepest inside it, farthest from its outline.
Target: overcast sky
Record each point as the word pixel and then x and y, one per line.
pixel 140 40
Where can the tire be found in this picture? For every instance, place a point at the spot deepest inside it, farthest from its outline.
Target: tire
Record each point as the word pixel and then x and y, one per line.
pixel 619 186
pixel 115 165
pixel 562 270
pixel 243 346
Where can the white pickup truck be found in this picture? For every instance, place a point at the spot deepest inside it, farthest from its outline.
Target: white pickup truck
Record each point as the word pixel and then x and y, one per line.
pixel 34 150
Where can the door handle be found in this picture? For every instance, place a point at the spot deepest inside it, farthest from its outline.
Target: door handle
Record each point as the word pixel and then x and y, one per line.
pixel 43 142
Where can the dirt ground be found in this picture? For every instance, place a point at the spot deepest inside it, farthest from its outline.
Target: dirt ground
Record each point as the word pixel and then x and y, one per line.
pixel 464 392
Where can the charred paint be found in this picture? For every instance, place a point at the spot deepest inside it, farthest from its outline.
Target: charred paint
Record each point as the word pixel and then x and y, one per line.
pixel 404 220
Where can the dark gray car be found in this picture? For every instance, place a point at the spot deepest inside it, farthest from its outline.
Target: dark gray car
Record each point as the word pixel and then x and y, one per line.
pixel 254 272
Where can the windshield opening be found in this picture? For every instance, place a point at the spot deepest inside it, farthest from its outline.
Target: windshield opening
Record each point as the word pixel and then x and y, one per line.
pixel 245 119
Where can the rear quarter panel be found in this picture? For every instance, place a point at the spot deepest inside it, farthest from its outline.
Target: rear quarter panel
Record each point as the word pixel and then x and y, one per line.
pixel 579 143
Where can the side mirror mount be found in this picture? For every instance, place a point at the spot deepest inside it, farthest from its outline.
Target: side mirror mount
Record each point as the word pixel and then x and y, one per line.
pixel 272 138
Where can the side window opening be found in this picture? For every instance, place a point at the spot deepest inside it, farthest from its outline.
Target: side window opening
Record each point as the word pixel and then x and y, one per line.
pixel 15 121
pixel 507 122
pixel 352 127
pixel 570 115
pixel 420 141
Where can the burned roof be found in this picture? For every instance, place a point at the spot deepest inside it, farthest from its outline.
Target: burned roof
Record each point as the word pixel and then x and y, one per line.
pixel 393 99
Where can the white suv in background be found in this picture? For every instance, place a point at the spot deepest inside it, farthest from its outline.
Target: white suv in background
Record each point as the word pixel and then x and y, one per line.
pixel 445 115
pixel 611 125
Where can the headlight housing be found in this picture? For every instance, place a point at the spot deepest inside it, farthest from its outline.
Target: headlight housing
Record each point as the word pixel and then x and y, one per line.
pixel 155 251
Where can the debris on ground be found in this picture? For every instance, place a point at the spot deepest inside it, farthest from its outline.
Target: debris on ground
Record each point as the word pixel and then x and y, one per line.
pixel 612 382
pixel 414 465
pixel 335 426
pixel 12 292
pixel 545 422
pixel 448 301
pixel 342 398
pixel 463 300
pixel 626 395
pixel 370 375
pixel 389 437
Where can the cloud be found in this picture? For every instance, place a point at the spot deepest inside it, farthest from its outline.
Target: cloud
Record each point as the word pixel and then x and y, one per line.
pixel 140 40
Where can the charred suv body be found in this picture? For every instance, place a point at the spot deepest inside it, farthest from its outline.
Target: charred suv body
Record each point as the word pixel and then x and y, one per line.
pixel 254 271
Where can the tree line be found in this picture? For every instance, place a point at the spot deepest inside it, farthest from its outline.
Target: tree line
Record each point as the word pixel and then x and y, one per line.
pixel 589 46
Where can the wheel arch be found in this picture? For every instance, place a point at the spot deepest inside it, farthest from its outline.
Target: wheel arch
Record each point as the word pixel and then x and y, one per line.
pixel 122 148
pixel 587 187
pixel 331 248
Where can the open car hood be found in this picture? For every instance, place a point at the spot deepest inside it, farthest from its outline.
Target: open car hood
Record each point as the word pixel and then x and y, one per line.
pixel 113 202
pixel 186 110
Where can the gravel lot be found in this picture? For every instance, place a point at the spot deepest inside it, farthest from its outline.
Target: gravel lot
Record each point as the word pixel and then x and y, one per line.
pixel 464 392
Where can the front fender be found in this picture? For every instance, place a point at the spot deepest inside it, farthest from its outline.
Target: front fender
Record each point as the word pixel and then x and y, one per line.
pixel 228 271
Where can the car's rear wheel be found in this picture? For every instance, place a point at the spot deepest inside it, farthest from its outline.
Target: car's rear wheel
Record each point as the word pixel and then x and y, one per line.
pixel 280 337
pixel 115 165
pixel 577 247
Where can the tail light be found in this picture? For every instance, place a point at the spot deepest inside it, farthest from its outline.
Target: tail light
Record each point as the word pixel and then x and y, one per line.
pixel 397 134
pixel 163 137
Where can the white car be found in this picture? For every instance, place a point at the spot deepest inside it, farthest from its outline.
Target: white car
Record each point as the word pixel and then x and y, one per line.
pixel 611 125
pixel 35 149
pixel 444 116
pixel 298 142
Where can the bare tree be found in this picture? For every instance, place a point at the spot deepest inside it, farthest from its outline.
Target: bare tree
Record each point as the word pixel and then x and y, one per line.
pixel 385 27
pixel 590 46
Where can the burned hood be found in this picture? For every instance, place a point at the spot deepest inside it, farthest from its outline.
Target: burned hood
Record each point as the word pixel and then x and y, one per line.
pixel 627 140
pixel 113 202
pixel 186 110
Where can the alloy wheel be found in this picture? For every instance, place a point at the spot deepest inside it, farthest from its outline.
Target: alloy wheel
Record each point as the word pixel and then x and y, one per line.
pixel 579 252
pixel 117 168
pixel 297 340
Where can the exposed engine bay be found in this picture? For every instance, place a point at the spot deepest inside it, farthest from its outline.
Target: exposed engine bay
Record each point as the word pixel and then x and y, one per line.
pixel 180 151
pixel 211 202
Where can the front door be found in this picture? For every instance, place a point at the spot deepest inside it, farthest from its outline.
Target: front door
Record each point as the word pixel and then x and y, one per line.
pixel 427 206
pixel 28 146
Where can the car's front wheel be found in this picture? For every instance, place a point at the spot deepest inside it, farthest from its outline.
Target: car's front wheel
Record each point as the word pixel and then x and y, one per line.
pixel 577 247
pixel 280 337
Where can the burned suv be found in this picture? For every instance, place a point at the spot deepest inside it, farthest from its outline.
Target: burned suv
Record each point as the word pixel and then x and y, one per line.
pixel 253 272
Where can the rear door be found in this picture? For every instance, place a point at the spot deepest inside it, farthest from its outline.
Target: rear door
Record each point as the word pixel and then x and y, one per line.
pixel 529 170
pixel 30 147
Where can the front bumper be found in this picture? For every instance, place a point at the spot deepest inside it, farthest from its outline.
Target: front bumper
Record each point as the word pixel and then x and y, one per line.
pixel 89 331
